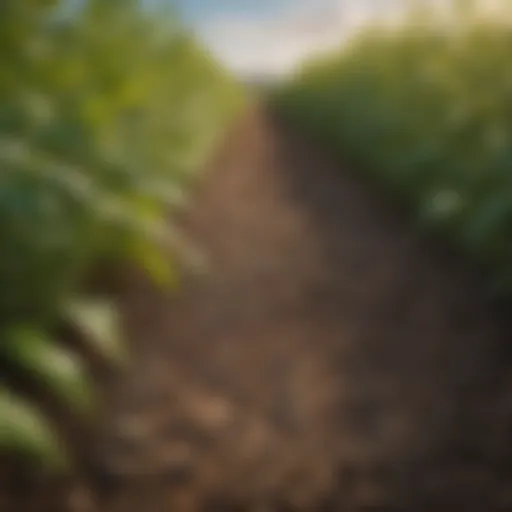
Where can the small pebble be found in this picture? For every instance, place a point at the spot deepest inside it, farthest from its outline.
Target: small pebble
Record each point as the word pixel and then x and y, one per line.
pixel 81 500
pixel 212 412
pixel 177 462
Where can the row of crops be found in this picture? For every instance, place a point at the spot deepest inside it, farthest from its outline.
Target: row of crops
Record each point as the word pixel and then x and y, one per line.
pixel 107 110
pixel 425 108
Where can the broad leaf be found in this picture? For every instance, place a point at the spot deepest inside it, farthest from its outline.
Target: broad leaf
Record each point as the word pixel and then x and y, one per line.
pixel 61 371
pixel 23 429
pixel 98 321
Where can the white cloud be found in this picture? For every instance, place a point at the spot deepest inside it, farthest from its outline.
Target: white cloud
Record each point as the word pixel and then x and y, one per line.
pixel 249 44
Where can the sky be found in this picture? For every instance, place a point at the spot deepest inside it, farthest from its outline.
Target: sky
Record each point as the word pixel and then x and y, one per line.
pixel 271 37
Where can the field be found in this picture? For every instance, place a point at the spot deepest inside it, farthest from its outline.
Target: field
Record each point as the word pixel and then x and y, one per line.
pixel 209 299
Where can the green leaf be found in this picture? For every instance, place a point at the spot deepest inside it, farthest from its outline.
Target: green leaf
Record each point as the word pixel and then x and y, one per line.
pixel 98 320
pixel 158 264
pixel 55 367
pixel 23 429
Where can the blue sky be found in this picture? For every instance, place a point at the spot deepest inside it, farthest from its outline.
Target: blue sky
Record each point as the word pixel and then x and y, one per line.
pixel 273 36
pixel 202 9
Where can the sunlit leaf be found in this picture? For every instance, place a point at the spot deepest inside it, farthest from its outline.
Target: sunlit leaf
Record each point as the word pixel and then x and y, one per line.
pixel 98 321
pixel 61 371
pixel 24 429
pixel 160 267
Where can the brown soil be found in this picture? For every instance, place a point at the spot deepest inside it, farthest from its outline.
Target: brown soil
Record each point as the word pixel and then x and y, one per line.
pixel 329 361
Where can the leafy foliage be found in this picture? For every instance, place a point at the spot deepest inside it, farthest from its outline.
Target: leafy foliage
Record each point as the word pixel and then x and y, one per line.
pixel 425 107
pixel 107 109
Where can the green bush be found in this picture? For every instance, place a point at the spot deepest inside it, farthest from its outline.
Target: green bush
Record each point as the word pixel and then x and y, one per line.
pixel 426 108
pixel 107 109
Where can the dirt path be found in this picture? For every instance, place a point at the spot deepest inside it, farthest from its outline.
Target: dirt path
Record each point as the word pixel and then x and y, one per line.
pixel 330 361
